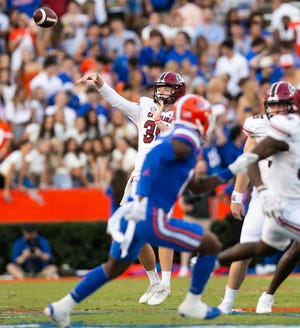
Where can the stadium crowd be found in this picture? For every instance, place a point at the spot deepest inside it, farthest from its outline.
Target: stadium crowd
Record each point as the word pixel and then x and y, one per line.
pixel 63 135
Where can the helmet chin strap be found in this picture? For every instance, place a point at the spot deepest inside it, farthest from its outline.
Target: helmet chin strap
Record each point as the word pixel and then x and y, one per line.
pixel 165 101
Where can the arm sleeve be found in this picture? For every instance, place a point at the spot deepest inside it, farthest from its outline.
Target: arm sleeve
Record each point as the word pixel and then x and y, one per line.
pixel 163 152
pixel 128 108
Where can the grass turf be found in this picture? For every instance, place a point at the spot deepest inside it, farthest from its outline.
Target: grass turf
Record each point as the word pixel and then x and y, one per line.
pixel 117 302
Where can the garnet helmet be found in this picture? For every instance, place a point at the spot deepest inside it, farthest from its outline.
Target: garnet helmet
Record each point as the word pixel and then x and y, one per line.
pixel 173 80
pixel 194 111
pixel 284 94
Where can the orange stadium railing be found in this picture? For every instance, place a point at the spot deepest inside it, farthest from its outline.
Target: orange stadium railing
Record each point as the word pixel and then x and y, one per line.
pixel 54 205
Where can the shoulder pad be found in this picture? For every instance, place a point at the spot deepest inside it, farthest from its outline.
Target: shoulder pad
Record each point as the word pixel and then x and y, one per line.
pixel 256 126
pixel 147 102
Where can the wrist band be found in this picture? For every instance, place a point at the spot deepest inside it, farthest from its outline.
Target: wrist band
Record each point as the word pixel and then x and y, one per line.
pixel 157 120
pixel 237 197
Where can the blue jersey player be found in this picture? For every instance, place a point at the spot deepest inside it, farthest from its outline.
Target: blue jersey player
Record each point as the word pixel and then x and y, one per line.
pixel 167 170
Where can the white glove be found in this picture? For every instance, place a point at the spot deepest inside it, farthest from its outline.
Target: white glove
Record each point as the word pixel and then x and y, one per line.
pixel 137 212
pixel 271 204
pixel 240 165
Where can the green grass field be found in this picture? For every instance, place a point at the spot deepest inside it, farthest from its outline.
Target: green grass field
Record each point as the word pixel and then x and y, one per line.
pixel 116 303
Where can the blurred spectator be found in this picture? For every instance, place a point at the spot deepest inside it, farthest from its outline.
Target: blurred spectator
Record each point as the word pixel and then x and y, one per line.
pixel 91 170
pixel 213 32
pixel 121 127
pixel 239 38
pixel 233 64
pixel 133 13
pixel 248 103
pixel 124 155
pixel 75 25
pixel 18 114
pixel 47 78
pixel 93 101
pixel 58 174
pixel 284 31
pixel 114 43
pixel 92 129
pixel 257 26
pixel 10 167
pixel 31 256
pixel 176 23
pixel 155 23
pixel 29 68
pixel 267 70
pixel 78 131
pixel 4 27
pixel 154 52
pixel 121 63
pixel 191 13
pixel 60 105
pixel 92 37
pixel 46 130
pixel 291 73
pixel 7 85
pixel 198 86
pixel 6 137
pixel 116 9
pixel 283 8
pixel 38 103
pixel 20 37
pixel 33 173
pixel 76 162
pixel 181 51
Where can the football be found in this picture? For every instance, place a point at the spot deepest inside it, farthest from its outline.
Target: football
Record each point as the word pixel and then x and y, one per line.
pixel 45 17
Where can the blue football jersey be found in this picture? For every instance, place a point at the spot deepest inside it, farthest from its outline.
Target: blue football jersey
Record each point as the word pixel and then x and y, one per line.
pixel 161 181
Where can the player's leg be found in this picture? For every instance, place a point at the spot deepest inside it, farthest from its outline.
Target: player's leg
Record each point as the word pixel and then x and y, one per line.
pixel 60 311
pixel 236 276
pixel 166 262
pixel 192 306
pixel 15 271
pixel 284 267
pixel 184 264
pixel 148 260
pixel 251 232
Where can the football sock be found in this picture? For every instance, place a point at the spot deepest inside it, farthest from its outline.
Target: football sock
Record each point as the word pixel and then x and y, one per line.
pixel 92 281
pixel 153 276
pixel 230 295
pixel 67 303
pixel 201 273
pixel 165 278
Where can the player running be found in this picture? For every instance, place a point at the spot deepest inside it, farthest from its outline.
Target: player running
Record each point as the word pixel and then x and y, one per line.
pixel 150 120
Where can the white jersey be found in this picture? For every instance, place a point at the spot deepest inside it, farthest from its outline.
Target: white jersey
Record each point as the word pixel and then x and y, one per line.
pixel 140 113
pixel 256 127
pixel 285 166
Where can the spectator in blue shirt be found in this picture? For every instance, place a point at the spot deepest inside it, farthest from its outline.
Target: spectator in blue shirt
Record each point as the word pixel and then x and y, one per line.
pixel 31 255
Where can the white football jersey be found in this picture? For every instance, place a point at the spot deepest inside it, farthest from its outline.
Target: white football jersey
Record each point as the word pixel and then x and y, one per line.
pixel 285 168
pixel 256 127
pixel 141 114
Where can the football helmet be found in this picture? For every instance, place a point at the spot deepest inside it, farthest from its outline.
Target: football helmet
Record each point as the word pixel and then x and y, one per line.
pixel 283 94
pixel 194 111
pixel 173 80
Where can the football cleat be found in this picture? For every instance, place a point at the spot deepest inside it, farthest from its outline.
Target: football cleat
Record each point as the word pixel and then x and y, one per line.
pixel 60 317
pixel 265 303
pixel 160 296
pixel 226 308
pixel 198 310
pixel 152 289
